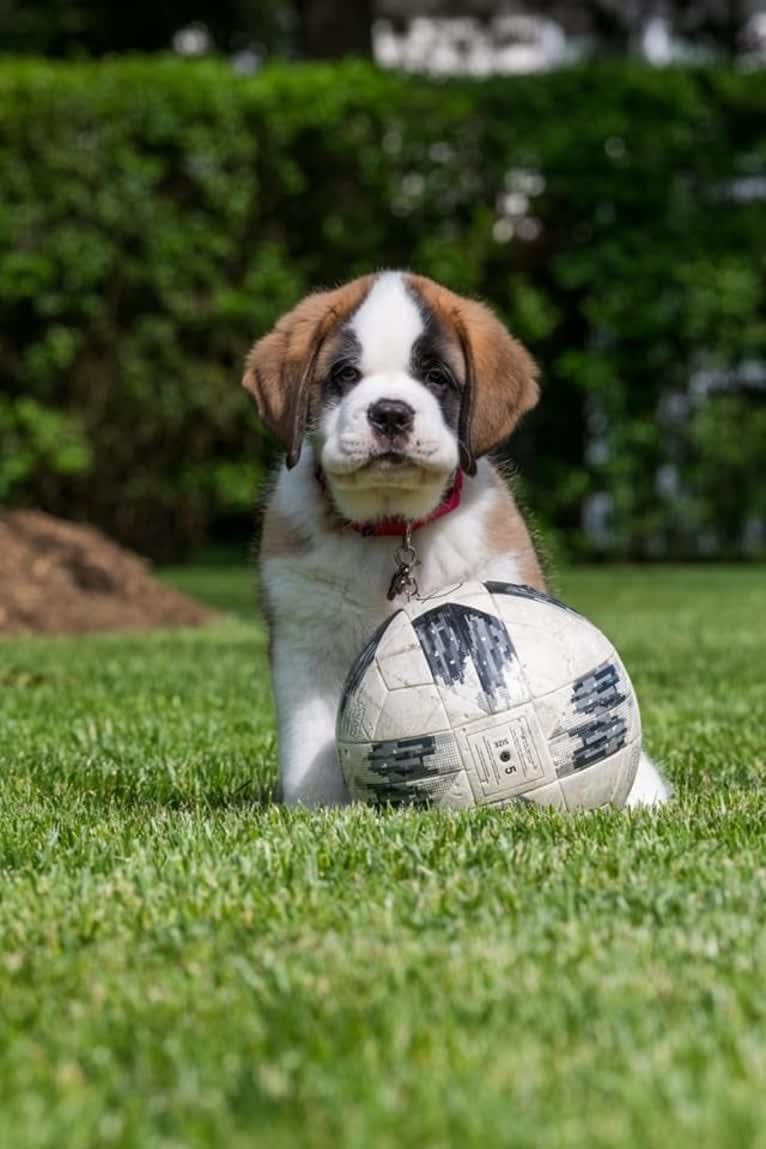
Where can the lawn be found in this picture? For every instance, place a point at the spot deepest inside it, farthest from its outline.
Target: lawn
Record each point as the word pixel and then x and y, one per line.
pixel 184 964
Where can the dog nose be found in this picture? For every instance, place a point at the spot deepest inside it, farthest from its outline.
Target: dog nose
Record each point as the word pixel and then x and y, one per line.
pixel 391 416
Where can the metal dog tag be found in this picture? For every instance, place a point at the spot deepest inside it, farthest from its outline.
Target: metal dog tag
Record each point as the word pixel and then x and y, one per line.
pixel 403 581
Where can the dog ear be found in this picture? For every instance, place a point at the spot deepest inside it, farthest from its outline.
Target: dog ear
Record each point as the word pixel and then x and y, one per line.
pixel 500 381
pixel 280 370
pixel 500 375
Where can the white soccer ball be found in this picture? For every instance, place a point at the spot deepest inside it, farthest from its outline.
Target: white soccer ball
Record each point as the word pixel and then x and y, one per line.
pixel 489 693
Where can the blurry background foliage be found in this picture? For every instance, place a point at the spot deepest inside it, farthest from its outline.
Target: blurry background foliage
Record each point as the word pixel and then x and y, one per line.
pixel 157 214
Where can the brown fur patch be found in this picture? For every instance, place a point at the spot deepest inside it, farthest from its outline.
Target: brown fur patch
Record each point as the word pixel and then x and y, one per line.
pixel 507 534
pixel 501 376
pixel 280 368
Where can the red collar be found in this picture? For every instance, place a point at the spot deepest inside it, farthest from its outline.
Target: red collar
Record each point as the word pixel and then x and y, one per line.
pixel 398 526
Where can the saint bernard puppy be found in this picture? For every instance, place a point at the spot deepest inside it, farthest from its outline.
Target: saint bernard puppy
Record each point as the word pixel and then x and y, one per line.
pixel 386 394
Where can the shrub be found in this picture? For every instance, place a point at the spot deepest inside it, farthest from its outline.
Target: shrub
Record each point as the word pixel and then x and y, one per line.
pixel 157 215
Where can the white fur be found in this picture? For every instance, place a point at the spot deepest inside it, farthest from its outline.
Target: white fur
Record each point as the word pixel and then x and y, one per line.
pixel 649 788
pixel 387 324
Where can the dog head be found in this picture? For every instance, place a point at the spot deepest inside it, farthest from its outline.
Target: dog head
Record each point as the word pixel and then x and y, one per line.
pixel 397 382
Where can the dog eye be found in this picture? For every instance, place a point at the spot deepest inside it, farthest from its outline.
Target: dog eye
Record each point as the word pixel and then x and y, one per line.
pixel 345 374
pixel 437 376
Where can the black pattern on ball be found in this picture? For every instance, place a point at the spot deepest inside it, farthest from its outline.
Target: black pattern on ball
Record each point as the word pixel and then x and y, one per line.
pixel 598 739
pixel 453 635
pixel 602 689
pixel 399 762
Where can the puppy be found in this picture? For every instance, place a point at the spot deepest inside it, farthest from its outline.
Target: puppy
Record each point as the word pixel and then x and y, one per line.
pixel 386 394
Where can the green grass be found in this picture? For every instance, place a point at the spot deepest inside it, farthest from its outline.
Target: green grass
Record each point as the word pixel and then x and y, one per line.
pixel 183 964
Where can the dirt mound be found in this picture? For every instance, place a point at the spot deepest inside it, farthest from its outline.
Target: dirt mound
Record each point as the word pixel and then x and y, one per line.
pixel 58 577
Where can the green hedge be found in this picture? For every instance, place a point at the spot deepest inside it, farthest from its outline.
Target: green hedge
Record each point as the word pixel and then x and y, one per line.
pixel 156 216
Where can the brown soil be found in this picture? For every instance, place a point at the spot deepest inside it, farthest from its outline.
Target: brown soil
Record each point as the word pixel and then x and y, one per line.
pixel 58 577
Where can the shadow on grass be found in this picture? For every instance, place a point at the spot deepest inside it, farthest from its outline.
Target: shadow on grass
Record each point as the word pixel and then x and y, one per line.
pixel 247 796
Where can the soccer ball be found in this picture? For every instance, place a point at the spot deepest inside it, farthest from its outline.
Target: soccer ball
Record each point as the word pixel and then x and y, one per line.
pixel 489 693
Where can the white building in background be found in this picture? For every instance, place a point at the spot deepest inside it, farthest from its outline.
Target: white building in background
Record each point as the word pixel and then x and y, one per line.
pixel 415 37
pixel 446 45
